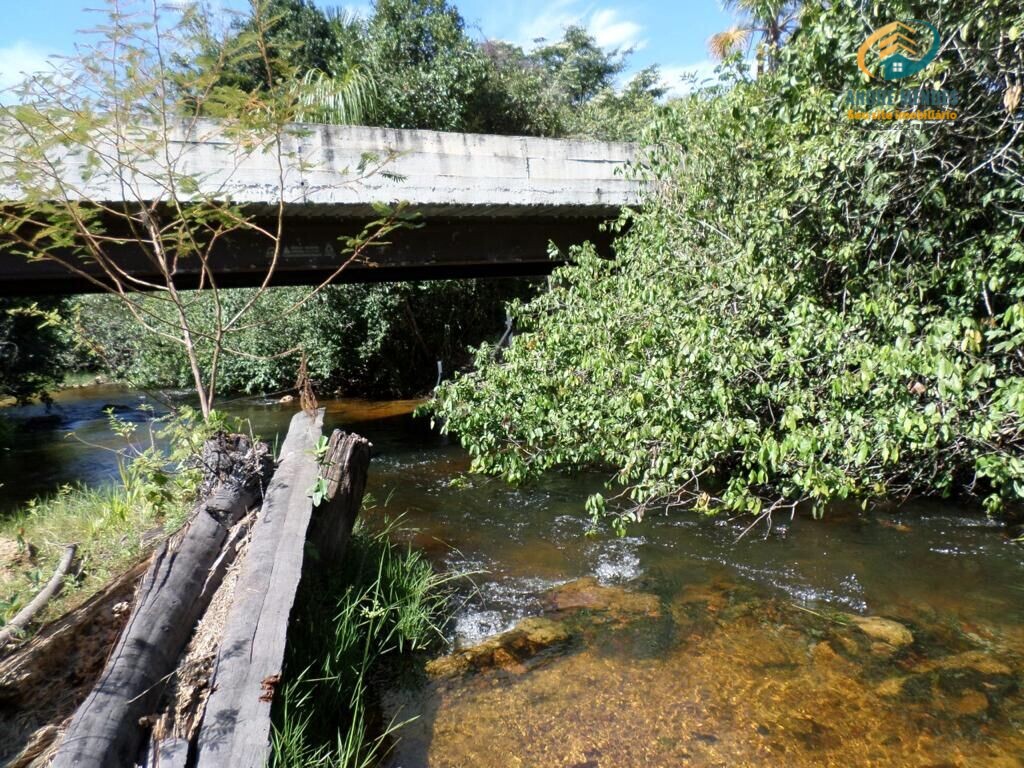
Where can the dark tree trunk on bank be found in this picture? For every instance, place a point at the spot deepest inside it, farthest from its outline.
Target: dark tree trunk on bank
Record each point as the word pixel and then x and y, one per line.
pixel 105 731
pixel 347 465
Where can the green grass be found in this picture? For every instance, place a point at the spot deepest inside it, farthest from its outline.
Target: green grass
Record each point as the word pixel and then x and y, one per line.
pixel 113 526
pixel 111 532
pixel 385 601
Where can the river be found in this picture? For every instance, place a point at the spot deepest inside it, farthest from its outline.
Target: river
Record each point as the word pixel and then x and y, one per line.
pixel 682 646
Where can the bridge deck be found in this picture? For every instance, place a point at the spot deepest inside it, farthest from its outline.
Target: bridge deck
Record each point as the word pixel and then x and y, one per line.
pixel 489 204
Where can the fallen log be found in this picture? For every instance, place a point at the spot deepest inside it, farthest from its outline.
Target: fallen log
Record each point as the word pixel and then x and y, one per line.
pixel 235 729
pixel 16 625
pixel 236 725
pixel 105 730
pixel 176 725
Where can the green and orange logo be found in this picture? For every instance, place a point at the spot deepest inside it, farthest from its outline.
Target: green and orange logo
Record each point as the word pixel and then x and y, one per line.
pixel 899 49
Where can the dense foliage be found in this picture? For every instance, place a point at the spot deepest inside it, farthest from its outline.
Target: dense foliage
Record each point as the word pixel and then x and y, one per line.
pixel 360 339
pixel 298 34
pixel 427 68
pixel 419 68
pixel 808 307
pixel 34 352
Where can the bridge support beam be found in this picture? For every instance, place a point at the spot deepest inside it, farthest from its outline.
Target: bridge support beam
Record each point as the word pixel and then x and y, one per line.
pixel 440 249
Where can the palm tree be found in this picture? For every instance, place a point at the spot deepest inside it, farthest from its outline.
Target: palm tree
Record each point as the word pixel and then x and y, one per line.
pixel 346 99
pixel 770 22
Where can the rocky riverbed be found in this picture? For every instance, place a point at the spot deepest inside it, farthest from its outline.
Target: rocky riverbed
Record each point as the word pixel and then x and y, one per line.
pixel 717 676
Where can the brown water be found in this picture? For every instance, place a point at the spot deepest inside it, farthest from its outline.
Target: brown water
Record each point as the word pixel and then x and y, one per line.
pixel 686 647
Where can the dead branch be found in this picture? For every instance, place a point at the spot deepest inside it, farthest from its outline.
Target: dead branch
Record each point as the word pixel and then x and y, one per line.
pixel 16 625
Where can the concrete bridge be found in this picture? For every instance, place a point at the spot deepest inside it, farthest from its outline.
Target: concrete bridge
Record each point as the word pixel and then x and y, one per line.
pixel 489 204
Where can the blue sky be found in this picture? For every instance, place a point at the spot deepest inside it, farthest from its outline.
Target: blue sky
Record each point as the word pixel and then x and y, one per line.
pixel 670 33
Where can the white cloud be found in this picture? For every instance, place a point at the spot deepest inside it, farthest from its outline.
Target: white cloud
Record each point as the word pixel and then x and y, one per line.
pixel 549 24
pixel 683 79
pixel 610 31
pixel 17 60
pixel 607 25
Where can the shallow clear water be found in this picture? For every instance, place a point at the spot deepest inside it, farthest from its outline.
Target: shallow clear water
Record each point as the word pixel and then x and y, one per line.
pixel 742 654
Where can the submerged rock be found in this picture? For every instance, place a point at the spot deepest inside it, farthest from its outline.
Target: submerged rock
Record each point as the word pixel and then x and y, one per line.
pixel 972 684
pixel 895 525
pixel 505 651
pixel 971 704
pixel 890 687
pixel 824 656
pixel 587 594
pixel 887 631
pixel 978 661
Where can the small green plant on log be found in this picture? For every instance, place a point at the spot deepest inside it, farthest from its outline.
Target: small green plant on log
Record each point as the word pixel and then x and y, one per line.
pixel 321 486
pixel 95 164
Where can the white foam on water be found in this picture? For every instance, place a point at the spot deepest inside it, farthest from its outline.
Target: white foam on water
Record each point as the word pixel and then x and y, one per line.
pixel 618 561
pixel 496 607
pixel 475 626
pixel 623 568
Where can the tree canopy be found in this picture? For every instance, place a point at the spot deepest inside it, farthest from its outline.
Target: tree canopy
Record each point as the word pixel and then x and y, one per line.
pixel 807 308
pixel 413 64
pixel 33 351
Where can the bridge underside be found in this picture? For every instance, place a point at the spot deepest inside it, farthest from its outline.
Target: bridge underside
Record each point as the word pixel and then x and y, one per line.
pixel 440 249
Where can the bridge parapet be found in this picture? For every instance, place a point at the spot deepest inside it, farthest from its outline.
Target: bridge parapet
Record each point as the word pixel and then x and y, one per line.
pixel 438 173
pixel 490 204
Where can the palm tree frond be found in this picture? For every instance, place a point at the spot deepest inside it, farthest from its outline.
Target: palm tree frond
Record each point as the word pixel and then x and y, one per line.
pixel 723 44
pixel 340 99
